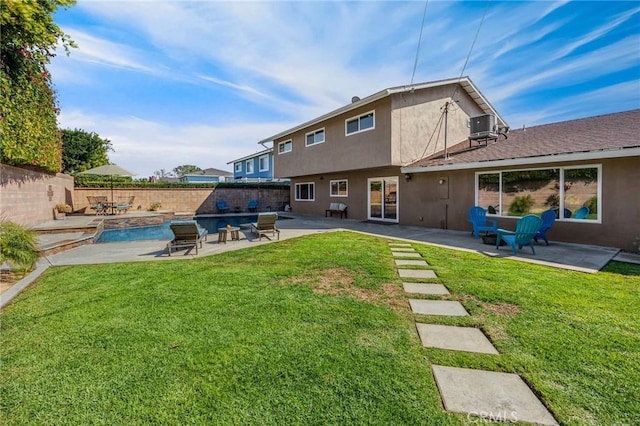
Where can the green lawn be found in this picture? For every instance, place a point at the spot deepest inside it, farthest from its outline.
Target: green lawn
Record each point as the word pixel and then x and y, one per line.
pixel 314 330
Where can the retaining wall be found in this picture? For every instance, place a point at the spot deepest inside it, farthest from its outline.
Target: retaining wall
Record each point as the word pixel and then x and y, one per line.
pixel 28 197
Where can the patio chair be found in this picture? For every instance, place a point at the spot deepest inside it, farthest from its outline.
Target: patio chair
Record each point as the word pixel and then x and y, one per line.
pixel 526 229
pixel 222 206
pixel 186 234
pixel 480 223
pixel 582 213
pixel 125 206
pixel 98 206
pixel 548 218
pixel 266 223
pixel 253 206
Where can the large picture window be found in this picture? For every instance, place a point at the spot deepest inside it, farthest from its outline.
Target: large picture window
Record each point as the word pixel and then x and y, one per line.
pixel 339 188
pixel 572 192
pixel 305 191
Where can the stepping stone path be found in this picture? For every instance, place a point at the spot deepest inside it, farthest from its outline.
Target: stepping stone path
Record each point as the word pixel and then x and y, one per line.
pixel 401 262
pixel 492 396
pixel 466 339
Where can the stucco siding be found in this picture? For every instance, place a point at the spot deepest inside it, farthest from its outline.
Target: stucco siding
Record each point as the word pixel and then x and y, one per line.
pixel 417 122
pixel 371 148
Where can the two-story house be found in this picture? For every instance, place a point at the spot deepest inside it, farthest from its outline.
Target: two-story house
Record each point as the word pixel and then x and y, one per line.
pixel 354 154
pixel 254 167
pixel 409 155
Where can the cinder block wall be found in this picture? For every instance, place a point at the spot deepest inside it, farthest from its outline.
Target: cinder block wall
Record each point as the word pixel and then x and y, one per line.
pixel 28 197
pixel 196 200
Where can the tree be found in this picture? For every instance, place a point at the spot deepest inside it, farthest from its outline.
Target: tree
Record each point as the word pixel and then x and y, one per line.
pixel 28 111
pixel 83 150
pixel 162 173
pixel 186 169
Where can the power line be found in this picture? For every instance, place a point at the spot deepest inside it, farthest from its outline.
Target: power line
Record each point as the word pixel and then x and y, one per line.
pixel 415 63
pixel 484 14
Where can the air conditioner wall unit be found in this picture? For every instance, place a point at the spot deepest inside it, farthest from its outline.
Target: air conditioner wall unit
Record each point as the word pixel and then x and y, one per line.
pixel 483 126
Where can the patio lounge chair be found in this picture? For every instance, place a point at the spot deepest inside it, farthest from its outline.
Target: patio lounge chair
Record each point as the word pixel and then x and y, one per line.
pixel 582 213
pixel 96 204
pixel 253 206
pixel 548 218
pixel 526 229
pixel 124 207
pixel 222 206
pixel 266 223
pixel 480 223
pixel 339 208
pixel 186 234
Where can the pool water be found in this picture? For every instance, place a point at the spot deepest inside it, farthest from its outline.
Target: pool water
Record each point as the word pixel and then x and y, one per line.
pixel 163 232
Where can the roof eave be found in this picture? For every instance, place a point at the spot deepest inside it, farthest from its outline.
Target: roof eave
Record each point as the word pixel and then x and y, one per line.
pixel 509 162
pixel 266 151
pixel 465 82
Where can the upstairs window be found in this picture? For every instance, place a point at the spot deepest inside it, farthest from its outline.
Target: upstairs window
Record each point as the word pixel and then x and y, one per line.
pixel 249 166
pixel 305 191
pixel 238 167
pixel 360 124
pixel 284 147
pixel 313 138
pixel 263 163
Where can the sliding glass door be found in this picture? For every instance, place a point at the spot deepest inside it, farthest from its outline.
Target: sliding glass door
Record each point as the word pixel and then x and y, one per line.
pixel 383 199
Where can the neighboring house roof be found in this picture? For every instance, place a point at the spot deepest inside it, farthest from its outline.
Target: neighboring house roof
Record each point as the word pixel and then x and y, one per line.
pixel 210 172
pixel 604 136
pixel 465 82
pixel 266 151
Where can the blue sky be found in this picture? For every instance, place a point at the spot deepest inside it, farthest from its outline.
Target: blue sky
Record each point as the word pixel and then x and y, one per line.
pixel 201 82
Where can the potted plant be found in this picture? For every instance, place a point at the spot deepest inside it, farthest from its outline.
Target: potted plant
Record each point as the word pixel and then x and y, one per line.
pixel 155 207
pixel 60 211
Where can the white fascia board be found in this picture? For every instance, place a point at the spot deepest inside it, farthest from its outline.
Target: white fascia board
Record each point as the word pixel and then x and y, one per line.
pixel 379 95
pixel 266 151
pixel 580 156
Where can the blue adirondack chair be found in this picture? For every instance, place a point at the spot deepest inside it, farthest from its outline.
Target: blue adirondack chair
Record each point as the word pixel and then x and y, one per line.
pixel 480 223
pixel 582 213
pixel 253 206
pixel 548 218
pixel 526 229
pixel 222 206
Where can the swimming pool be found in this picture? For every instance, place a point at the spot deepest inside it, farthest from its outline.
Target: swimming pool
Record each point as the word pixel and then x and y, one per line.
pixel 163 232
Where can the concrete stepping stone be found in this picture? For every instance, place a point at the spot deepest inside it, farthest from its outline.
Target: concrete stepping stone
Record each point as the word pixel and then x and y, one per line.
pixel 491 395
pixel 417 273
pixel 465 339
pixel 399 245
pixel 449 308
pixel 421 288
pixel 402 262
pixel 404 254
pixel 405 249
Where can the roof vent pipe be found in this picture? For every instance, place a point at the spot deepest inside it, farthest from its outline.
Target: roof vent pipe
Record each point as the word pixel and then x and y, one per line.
pixel 355 99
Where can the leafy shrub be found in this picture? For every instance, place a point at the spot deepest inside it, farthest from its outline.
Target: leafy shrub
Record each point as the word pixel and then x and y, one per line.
pixel 18 246
pixel 592 203
pixel 63 208
pixel 521 205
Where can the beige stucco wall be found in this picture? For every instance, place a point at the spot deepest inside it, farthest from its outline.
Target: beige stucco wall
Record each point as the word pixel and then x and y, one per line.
pixel 28 197
pixel 417 122
pixel 195 200
pixel 367 149
pixel 424 201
